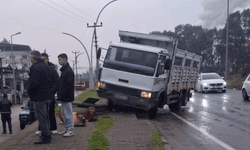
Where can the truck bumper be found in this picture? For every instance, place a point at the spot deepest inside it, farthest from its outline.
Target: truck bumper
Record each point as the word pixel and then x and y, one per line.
pixel 127 100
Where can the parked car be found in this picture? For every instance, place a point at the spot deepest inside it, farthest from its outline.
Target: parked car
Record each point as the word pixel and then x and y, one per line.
pixel 210 82
pixel 246 88
pixel 27 115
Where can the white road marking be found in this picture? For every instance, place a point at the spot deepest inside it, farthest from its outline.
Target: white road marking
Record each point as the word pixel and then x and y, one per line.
pixel 227 147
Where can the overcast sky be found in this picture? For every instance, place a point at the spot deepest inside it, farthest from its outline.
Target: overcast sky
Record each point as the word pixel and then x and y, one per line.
pixel 42 26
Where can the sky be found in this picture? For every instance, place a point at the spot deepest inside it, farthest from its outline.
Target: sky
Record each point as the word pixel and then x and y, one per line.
pixel 41 22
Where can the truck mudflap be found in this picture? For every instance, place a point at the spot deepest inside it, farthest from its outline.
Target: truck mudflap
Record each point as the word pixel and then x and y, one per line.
pixel 127 100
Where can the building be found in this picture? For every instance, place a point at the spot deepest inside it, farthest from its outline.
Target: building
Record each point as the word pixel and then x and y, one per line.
pixel 21 58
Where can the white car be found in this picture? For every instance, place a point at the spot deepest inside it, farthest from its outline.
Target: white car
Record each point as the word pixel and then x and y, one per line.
pixel 246 88
pixel 210 82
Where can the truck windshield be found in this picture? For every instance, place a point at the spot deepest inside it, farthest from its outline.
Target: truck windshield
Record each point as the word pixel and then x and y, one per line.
pixel 129 60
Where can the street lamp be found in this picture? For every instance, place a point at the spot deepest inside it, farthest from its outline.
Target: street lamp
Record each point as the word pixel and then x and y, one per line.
pixel 14 80
pixel 226 68
pixel 94 34
pixel 90 62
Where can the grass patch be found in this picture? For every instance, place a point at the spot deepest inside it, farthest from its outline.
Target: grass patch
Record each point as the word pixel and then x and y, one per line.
pixel 98 140
pixel 156 137
pixel 236 81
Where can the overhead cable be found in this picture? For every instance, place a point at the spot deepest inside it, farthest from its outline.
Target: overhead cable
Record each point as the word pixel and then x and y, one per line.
pixel 61 12
pixel 69 10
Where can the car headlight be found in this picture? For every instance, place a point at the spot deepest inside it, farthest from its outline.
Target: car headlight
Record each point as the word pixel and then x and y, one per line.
pixel 146 94
pixel 205 84
pixel 101 85
pixel 224 83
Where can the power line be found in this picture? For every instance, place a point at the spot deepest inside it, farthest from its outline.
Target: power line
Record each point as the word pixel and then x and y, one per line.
pixel 61 12
pixel 68 10
pixel 79 10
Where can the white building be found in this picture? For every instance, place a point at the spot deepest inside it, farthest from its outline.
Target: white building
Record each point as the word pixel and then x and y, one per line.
pixel 21 58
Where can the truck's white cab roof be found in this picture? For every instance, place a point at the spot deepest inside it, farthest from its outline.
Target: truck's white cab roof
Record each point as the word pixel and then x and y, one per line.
pixel 140 47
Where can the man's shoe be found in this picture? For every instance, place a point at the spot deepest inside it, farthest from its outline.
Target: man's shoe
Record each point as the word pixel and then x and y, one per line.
pixel 38 132
pixel 54 132
pixel 4 132
pixel 69 133
pixel 63 132
pixel 10 132
pixel 43 142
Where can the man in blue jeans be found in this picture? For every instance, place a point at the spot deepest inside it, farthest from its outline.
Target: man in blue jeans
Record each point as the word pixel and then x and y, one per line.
pixel 40 92
pixel 65 94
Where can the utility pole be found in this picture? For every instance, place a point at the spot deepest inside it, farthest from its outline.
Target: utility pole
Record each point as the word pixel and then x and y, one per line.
pixel 96 46
pixel 1 75
pixel 73 67
pixel 76 52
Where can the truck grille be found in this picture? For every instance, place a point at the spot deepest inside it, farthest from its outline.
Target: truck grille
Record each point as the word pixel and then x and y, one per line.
pixel 216 84
pixel 124 90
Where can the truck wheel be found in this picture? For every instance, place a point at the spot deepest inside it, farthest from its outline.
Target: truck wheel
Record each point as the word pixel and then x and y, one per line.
pixel 186 98
pixel 152 112
pixel 110 105
pixel 161 101
pixel 180 101
pixel 22 126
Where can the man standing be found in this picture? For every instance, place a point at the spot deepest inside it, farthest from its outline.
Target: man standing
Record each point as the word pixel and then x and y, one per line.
pixel 40 92
pixel 5 109
pixel 53 126
pixel 65 94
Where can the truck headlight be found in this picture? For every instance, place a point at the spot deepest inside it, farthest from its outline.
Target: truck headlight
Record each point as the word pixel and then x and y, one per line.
pixel 101 85
pixel 146 94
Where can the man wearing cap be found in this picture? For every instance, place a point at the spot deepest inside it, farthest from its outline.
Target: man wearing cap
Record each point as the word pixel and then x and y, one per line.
pixel 5 109
pixel 40 92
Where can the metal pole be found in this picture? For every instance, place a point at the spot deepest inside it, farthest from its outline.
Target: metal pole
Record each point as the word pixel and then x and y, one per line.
pixel 94 34
pixel 76 65
pixel 90 60
pixel 226 69
pixel 1 65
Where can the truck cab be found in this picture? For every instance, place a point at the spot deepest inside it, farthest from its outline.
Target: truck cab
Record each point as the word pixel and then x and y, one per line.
pixel 137 73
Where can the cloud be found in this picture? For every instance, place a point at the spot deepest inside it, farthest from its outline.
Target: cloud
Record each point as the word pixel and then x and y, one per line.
pixel 215 11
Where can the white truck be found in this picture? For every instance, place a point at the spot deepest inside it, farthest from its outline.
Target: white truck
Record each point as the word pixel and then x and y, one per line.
pixel 147 71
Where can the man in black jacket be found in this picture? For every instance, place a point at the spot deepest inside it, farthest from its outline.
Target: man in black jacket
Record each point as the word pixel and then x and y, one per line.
pixel 5 109
pixel 65 94
pixel 53 126
pixel 40 92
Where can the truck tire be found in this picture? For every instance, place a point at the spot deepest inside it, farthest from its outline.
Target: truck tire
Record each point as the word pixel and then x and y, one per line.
pixel 22 126
pixel 186 98
pixel 161 101
pixel 152 112
pixel 178 104
pixel 110 105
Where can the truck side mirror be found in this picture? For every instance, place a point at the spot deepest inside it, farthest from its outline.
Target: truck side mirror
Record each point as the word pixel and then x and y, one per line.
pixel 98 54
pixel 168 64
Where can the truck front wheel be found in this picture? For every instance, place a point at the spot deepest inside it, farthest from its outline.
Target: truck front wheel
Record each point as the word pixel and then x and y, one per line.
pixel 22 126
pixel 152 112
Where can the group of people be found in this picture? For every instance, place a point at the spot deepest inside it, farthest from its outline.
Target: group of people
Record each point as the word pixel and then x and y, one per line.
pixel 44 83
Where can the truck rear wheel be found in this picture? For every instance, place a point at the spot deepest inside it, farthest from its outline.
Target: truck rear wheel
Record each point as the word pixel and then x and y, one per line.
pixel 178 104
pixel 186 97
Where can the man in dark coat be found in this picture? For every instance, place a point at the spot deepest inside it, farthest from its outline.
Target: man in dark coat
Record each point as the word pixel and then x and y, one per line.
pixel 65 94
pixel 40 92
pixel 5 109
pixel 53 126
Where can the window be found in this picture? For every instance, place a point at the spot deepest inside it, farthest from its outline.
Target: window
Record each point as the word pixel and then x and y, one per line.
pixel 161 69
pixel 178 61
pixel 13 57
pixel 188 63
pixel 24 56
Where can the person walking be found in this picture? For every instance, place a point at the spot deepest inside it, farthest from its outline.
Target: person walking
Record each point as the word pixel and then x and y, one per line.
pixel 65 94
pixel 40 92
pixel 5 108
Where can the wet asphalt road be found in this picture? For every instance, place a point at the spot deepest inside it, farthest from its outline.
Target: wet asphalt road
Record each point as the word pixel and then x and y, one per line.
pixel 225 116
